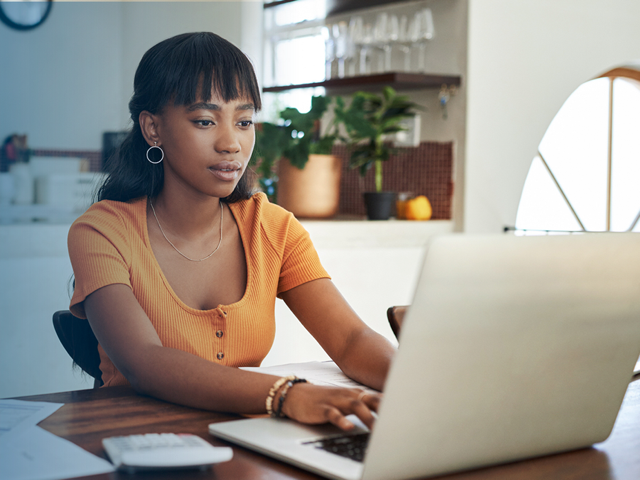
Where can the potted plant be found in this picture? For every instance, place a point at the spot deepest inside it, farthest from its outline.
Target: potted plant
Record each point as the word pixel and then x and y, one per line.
pixel 267 151
pixel 295 163
pixel 368 120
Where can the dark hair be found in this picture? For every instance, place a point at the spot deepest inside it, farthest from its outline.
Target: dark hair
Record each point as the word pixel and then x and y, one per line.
pixel 181 69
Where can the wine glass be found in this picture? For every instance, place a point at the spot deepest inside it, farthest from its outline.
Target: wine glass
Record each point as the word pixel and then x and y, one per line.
pixel 404 40
pixel 424 31
pixel 329 51
pixel 380 38
pixel 340 34
pixel 365 40
pixel 393 35
pixel 354 33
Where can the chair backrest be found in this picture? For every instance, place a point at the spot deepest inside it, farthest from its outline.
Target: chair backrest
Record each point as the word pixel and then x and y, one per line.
pixel 396 316
pixel 81 344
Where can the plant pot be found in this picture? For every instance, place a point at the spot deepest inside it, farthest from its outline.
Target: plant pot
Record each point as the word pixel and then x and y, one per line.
pixel 314 191
pixel 379 205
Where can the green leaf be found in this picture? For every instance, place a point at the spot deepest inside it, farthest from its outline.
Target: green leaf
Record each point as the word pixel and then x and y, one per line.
pixel 324 146
pixel 389 93
pixel 394 129
pixel 368 117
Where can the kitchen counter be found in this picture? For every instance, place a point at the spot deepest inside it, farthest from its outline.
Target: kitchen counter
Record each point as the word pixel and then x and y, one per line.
pixel 38 239
pixel 47 214
pixel 374 234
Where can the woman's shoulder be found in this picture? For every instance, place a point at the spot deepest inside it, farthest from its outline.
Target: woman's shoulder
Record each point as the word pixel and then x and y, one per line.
pixel 259 208
pixel 114 214
pixel 275 225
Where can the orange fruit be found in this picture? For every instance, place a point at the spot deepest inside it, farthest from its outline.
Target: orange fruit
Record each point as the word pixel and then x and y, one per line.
pixel 418 208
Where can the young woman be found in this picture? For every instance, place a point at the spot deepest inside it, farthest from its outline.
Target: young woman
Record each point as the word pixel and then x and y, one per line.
pixel 178 266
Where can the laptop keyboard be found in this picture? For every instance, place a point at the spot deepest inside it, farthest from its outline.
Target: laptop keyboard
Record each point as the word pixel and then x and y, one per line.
pixel 350 446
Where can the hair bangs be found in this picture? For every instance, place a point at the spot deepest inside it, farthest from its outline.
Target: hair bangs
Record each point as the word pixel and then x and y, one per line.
pixel 205 64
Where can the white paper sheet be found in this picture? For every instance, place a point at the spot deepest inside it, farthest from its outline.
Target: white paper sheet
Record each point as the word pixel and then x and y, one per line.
pixel 40 455
pixel 318 373
pixel 19 415
pixel 28 452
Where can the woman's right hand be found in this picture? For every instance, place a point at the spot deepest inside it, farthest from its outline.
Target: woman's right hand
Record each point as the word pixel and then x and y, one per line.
pixel 315 404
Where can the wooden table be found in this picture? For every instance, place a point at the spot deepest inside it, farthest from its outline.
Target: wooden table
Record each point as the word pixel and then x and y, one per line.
pixel 90 415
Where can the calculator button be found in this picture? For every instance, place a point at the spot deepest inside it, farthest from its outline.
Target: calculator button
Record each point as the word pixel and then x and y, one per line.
pixel 193 441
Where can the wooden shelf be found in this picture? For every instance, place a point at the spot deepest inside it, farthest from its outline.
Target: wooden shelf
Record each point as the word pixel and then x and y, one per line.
pixel 396 80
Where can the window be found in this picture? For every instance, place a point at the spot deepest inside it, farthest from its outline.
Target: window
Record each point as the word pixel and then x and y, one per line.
pixel 294 54
pixel 586 176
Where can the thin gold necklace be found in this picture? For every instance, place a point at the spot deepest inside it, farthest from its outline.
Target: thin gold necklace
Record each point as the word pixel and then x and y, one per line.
pixel 176 249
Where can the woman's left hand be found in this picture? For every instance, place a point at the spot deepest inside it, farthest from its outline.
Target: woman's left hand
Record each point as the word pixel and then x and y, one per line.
pixel 315 404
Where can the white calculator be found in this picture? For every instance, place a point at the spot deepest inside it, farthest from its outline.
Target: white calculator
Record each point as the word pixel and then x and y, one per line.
pixel 161 451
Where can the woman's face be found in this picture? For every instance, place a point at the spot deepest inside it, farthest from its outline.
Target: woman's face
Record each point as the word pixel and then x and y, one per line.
pixel 207 145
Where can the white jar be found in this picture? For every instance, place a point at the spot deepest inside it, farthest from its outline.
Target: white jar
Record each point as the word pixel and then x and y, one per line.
pixel 7 189
pixel 23 183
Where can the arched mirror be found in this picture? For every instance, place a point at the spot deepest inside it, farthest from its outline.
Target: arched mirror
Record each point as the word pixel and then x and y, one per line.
pixel 586 176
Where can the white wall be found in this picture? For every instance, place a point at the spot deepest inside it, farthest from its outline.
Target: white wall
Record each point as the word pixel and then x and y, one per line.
pixel 60 82
pixel 447 54
pixel 525 58
pixel 71 79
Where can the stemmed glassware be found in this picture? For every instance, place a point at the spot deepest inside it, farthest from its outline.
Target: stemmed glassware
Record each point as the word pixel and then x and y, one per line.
pixel 392 36
pixel 365 41
pixel 380 39
pixel 329 51
pixel 340 35
pixel 386 33
pixel 356 34
pixel 361 48
pixel 404 41
pixel 422 32
pixel 353 33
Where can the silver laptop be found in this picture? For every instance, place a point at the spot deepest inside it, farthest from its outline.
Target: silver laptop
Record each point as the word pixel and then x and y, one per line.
pixel 513 347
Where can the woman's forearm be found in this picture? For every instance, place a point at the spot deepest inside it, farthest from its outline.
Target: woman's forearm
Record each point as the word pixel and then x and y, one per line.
pixel 367 358
pixel 180 377
pixel 360 352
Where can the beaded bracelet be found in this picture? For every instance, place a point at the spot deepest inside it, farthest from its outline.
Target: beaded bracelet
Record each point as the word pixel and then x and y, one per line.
pixel 272 393
pixel 283 395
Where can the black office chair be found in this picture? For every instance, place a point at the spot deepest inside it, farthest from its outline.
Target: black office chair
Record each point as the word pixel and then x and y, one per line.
pixel 81 344
pixel 395 315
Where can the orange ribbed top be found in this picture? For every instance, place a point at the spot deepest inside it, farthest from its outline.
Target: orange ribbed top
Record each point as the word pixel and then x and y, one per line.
pixel 109 244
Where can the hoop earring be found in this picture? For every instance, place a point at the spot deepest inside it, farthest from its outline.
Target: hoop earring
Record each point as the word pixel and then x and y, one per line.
pixel 155 145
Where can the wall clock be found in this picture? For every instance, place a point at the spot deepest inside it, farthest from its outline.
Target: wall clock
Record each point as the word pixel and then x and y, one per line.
pixel 24 14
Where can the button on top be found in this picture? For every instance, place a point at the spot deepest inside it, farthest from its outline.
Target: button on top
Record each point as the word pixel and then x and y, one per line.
pixel 219 333
pixel 224 313
pixel 220 355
